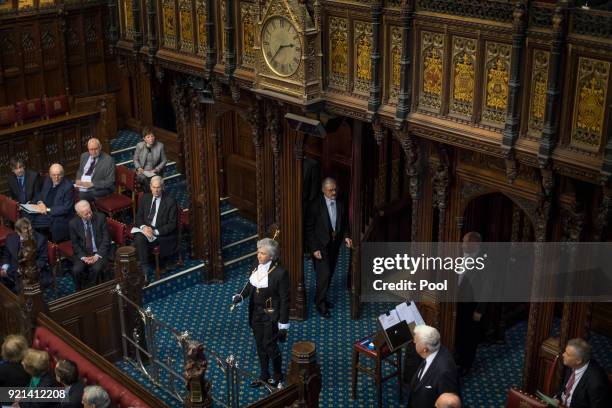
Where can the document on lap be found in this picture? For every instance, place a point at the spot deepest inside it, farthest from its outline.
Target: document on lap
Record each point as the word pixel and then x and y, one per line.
pixel 30 208
pixel 136 229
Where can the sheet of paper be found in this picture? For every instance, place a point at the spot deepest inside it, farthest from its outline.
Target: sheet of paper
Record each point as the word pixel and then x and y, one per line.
pixel 138 230
pixel 550 401
pixel 149 173
pixel 388 320
pixel 29 208
pixel 418 319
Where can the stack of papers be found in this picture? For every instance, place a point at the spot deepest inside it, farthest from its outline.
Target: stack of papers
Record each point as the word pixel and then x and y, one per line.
pixel 138 230
pixel 29 208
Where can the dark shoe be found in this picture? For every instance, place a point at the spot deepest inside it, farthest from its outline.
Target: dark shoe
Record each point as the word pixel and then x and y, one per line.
pixel 324 312
pixel 329 304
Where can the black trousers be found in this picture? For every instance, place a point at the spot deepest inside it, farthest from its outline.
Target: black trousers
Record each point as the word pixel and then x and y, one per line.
pixel 86 276
pixel 143 247
pixel 266 333
pixel 467 335
pixel 324 269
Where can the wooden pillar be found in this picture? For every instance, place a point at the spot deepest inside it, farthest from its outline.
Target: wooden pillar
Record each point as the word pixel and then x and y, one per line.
pixel 291 226
pixel 305 371
pixel 550 131
pixel 258 142
pixel 512 127
pixel 376 66
pixel 152 42
pixel 131 281
pixel 540 314
pixel 136 8
pixel 356 220
pixel 272 118
pixel 405 95
pixel 209 139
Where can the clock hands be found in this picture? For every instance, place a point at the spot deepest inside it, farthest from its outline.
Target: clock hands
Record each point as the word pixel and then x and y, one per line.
pixel 280 47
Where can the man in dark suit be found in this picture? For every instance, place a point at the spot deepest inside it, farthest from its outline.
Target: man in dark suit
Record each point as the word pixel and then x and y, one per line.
pixel 326 228
pixel 55 201
pixel 67 375
pixel 23 184
pixel 437 373
pixel 157 220
pixel 91 245
pixel 585 383
pixel 469 310
pixel 10 258
pixel 96 175
pixel 268 289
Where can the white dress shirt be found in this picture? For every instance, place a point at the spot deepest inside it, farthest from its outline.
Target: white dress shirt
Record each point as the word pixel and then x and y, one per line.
pixel 428 361
pixel 259 278
pixel 332 210
pixel 578 375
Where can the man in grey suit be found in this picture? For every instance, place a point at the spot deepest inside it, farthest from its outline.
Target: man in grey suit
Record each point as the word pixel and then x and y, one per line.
pixel 149 158
pixel 96 175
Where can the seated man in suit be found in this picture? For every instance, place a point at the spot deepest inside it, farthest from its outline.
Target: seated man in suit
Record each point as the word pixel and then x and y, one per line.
pixel 91 245
pixel 149 156
pixel 157 219
pixel 10 258
pixel 67 375
pixel 55 201
pixel 437 374
pixel 96 175
pixel 23 184
pixel 585 383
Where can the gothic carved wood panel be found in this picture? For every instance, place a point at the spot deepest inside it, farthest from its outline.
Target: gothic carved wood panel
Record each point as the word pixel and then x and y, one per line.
pixel 248 19
pixel 590 103
pixel 537 89
pixel 496 76
pixel 362 54
pixel 432 71
pixel 338 46
pixel 464 59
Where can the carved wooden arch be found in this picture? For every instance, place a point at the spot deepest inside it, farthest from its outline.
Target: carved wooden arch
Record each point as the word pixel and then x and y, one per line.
pixel 470 191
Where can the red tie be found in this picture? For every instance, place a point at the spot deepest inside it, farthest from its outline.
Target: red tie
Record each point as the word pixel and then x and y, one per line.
pixel 569 386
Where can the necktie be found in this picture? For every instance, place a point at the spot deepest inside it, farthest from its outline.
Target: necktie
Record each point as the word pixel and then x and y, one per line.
pixel 88 238
pixel 421 369
pixel 152 211
pixel 22 195
pixel 91 167
pixel 332 214
pixel 569 386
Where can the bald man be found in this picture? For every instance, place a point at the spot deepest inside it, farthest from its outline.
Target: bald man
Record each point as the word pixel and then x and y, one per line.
pixel 96 175
pixel 91 245
pixel 55 201
pixel 448 400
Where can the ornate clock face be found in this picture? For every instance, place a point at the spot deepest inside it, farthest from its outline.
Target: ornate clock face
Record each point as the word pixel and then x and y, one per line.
pixel 281 46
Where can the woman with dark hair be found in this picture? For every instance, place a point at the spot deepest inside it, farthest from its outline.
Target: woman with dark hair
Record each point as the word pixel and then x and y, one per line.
pixel 149 158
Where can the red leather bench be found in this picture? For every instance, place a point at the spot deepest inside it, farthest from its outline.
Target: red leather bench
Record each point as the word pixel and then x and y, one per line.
pixel 57 349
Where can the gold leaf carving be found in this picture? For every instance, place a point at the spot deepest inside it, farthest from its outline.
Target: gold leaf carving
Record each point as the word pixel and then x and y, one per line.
pixel 186 26
pixel 590 102
pixel 248 34
pixel 129 19
pixel 396 57
pixel 464 60
pixel 432 55
pixel 497 75
pixel 338 44
pixel 202 36
pixel 363 67
pixel 539 84
pixel 169 18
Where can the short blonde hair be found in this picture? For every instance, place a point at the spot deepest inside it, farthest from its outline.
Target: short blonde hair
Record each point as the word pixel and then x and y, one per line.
pixel 14 348
pixel 36 362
